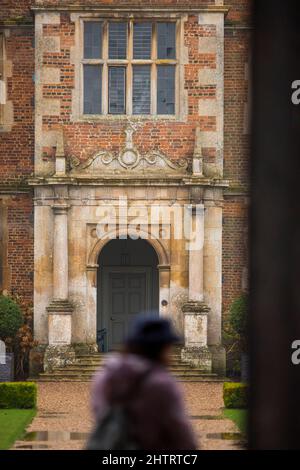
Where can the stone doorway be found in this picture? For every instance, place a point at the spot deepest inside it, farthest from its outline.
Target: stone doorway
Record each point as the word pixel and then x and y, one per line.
pixel 127 286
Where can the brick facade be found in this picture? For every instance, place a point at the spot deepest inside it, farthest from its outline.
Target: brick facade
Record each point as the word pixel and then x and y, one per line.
pixel 54 107
pixel 237 88
pixel 17 150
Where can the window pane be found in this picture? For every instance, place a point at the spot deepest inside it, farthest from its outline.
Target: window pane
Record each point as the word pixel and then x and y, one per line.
pixel 166 48
pixel 166 89
pixel 117 90
pixel 92 89
pixel 142 35
pixel 92 40
pixel 141 89
pixel 117 40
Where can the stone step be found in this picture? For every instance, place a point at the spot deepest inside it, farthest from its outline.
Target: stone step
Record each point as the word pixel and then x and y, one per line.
pixel 200 378
pixel 88 376
pixel 87 365
pixel 177 368
pixel 103 358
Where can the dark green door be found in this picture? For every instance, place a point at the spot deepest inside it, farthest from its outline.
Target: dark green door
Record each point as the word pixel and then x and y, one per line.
pixel 127 299
pixel 125 296
pixel 127 286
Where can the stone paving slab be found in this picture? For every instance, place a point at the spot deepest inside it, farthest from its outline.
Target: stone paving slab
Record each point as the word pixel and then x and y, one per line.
pixel 64 417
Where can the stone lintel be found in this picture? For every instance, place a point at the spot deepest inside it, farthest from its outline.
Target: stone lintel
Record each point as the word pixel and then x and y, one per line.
pixel 193 306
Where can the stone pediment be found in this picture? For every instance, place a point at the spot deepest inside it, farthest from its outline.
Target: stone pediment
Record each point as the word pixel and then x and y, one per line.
pixel 128 160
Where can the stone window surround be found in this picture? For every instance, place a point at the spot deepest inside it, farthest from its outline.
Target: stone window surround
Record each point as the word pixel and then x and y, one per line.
pixel 129 62
pixel 180 103
pixel 6 106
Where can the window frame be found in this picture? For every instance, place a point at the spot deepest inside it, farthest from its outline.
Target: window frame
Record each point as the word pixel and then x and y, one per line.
pixel 129 62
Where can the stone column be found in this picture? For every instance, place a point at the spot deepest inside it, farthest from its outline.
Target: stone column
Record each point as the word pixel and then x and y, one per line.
pixel 195 311
pixel 59 351
pixel 60 252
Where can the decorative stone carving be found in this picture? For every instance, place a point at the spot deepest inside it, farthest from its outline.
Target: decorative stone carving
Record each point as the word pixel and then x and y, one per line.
pixel 128 159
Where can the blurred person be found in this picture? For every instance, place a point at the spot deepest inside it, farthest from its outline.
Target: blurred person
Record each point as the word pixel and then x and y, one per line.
pixel 136 402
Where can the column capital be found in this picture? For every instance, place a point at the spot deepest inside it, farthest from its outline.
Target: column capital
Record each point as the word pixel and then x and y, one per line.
pixel 164 267
pixel 60 208
pixel 60 307
pixel 193 307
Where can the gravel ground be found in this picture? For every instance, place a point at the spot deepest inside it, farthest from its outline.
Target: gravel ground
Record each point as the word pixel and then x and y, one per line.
pixel 64 417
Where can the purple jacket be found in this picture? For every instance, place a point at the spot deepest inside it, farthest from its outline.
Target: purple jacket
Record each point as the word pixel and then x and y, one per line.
pixel 156 408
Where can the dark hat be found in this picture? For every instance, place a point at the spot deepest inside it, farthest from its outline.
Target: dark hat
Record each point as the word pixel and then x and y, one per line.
pixel 149 330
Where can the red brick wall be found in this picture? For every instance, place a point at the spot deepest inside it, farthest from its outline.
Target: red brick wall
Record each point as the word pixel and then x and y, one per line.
pixel 20 245
pixel 17 145
pixel 17 149
pixel 236 148
pixel 15 10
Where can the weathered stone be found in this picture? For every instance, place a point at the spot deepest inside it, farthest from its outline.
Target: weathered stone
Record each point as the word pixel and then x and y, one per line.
pixel 58 356
pixel 218 354
pixel 36 360
pixel 199 357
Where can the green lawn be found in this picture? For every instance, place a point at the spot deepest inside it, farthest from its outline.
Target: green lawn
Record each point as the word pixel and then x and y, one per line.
pixel 239 417
pixel 12 425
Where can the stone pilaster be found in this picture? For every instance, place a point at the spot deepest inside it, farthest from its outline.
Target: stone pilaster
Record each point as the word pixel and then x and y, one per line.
pixel 59 351
pixel 195 311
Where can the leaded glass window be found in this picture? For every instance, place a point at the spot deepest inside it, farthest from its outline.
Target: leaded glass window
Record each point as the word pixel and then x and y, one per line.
pixel 129 67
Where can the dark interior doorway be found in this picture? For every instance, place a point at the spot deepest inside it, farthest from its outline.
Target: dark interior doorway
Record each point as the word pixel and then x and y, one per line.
pixel 128 286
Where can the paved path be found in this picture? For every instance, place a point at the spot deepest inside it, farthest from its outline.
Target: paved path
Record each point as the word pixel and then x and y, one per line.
pixel 64 417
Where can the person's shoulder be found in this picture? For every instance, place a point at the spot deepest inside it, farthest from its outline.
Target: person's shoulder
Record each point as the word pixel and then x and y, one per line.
pixel 160 380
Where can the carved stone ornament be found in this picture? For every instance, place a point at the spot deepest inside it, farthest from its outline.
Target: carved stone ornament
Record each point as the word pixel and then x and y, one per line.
pixel 127 160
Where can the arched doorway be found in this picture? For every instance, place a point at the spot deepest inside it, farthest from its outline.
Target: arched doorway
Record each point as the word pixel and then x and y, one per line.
pixel 127 286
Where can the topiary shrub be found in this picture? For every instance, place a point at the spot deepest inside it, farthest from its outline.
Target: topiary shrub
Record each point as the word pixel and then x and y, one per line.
pixel 10 317
pixel 235 395
pixel 239 315
pixel 18 395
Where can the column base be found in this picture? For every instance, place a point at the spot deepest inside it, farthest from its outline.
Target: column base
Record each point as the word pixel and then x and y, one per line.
pixel 60 322
pixel 195 324
pixel 218 353
pixel 199 357
pixel 36 360
pixel 58 356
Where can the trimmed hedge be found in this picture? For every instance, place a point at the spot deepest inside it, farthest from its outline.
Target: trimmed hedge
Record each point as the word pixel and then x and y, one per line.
pixel 235 395
pixel 18 395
